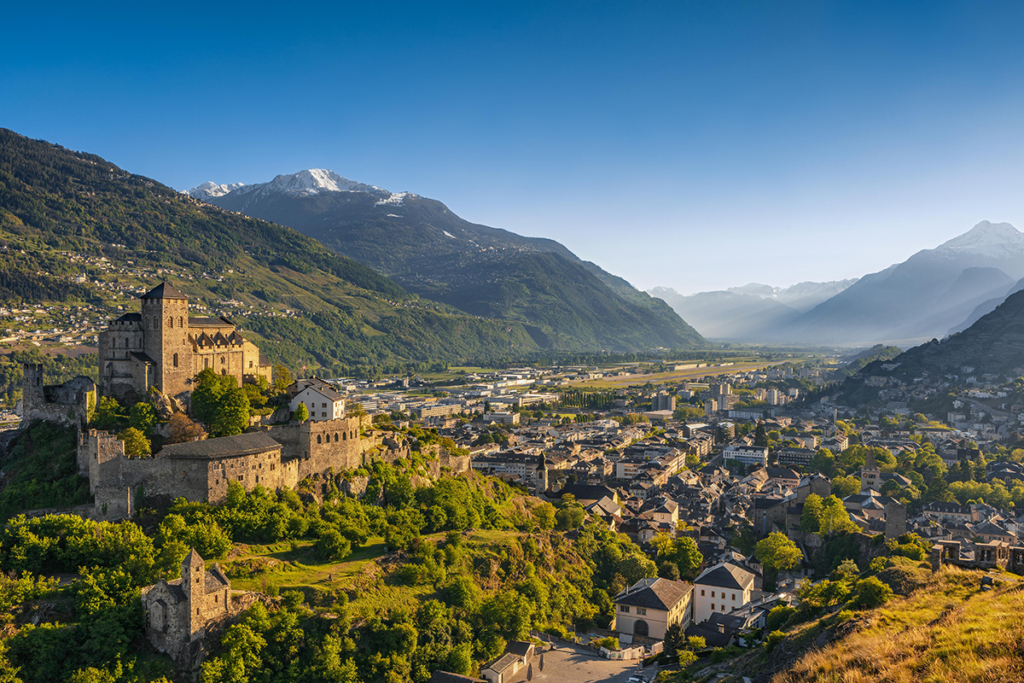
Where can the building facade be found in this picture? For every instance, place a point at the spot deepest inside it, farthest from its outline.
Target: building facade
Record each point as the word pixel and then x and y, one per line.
pixel 161 347
pixel 177 612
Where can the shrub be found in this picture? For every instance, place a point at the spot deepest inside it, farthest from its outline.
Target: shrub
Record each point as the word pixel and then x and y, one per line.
pixel 609 643
pixel 871 592
pixel 773 639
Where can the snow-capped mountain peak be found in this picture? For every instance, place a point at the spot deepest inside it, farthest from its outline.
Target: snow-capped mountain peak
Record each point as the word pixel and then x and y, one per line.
pixel 986 238
pixel 307 183
pixel 316 180
pixel 209 190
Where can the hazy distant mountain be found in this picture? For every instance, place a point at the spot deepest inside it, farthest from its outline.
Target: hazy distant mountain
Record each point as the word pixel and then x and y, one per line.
pixel 802 296
pixel 986 307
pixel 925 296
pixel 751 312
pixel 993 344
pixel 565 302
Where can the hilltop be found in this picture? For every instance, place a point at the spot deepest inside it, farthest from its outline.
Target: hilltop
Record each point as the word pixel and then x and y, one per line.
pixel 565 302
pixel 80 234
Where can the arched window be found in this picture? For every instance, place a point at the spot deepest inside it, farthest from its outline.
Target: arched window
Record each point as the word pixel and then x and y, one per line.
pixel 640 628
pixel 318 439
pixel 181 321
pixel 222 361
pixel 344 436
pixel 175 360
pixel 335 437
pixel 223 372
pixel 170 321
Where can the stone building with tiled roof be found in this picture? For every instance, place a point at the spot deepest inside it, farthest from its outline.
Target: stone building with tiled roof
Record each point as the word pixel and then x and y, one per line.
pixel 650 606
pixel 177 612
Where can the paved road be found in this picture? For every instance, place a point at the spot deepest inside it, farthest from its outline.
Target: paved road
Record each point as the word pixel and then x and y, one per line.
pixel 576 665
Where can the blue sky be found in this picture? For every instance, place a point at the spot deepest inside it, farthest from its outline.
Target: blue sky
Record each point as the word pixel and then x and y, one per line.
pixel 696 145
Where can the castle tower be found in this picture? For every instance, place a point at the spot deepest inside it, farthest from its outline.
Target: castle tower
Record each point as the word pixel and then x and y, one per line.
pixel 193 582
pixel 32 389
pixel 165 325
pixel 869 474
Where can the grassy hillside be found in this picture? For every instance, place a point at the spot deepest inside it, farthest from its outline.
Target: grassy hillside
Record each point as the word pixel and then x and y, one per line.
pixel 81 235
pixel 951 629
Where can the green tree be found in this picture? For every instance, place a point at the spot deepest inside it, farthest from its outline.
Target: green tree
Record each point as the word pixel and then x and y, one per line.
pixel 777 553
pixel 232 415
pixel 871 592
pixel 845 486
pixel 136 445
pixel 835 519
pixel 508 612
pixel 760 436
pixel 544 514
pixel 810 518
pixel 207 395
pixel 282 378
pixel 142 417
pixel 301 413
pixel 109 414
pixel 333 546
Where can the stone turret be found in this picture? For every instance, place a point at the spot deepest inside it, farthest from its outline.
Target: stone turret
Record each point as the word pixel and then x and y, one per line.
pixel 193 582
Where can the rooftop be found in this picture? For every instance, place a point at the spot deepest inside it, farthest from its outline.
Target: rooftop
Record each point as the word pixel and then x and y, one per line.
pixel 164 290
pixel 223 447
pixel 663 594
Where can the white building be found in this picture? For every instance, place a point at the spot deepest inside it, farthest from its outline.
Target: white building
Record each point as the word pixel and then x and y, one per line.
pixel 721 589
pixel 748 455
pixel 322 401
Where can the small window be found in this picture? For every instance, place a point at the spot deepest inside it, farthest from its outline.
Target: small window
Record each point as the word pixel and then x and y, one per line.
pixel 318 440
pixel 624 608
pixel 175 360
pixel 181 321
pixel 206 362
pixel 641 611
pixel 170 321
pixel 702 591
pixel 222 361
pixel 712 593
pixel 250 364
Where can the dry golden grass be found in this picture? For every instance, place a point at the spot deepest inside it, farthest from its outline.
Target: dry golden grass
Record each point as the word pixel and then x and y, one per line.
pixel 950 631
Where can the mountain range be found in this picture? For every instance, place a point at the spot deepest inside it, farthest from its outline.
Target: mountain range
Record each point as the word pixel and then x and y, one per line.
pixel 563 301
pixel 750 312
pixel 933 293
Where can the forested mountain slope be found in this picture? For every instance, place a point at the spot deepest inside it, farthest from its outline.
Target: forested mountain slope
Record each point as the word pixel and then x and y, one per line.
pixel 75 229
pixel 567 303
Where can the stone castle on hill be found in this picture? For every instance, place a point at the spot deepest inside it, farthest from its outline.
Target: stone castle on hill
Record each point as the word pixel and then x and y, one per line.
pixel 162 347
pixel 178 613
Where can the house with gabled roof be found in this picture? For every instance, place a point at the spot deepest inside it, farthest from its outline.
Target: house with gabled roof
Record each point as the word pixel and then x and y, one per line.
pixel 650 606
pixel 722 589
